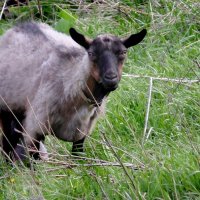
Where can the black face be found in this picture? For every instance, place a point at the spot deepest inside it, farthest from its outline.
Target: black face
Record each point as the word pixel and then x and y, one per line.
pixel 107 54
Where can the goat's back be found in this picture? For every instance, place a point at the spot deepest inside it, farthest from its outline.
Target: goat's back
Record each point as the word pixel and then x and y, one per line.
pixel 32 55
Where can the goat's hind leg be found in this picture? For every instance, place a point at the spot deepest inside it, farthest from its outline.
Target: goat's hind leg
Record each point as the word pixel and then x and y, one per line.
pixel 11 137
pixel 8 142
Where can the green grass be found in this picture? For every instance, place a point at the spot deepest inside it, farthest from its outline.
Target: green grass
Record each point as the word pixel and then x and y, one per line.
pixel 168 161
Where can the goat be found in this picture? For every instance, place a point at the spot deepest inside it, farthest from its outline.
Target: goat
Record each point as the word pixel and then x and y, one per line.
pixel 58 83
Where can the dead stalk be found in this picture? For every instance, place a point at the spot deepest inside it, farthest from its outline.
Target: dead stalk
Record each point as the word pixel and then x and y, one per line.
pixel 2 10
pixel 65 165
pixel 120 162
pixel 148 110
pixel 180 80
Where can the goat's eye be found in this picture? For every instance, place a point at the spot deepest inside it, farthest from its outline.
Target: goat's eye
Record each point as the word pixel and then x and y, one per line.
pixel 91 54
pixel 123 52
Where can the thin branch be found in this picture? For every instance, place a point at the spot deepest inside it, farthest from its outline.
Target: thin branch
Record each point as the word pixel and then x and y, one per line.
pixel 40 9
pixel 76 158
pixel 148 108
pixel 2 10
pixel 119 160
pixel 65 165
pixel 180 80
pixel 148 134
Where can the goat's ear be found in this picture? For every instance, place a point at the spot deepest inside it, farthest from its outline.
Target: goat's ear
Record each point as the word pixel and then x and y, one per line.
pixel 134 39
pixel 79 38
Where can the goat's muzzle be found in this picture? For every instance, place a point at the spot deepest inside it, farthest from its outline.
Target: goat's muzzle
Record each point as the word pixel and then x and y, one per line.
pixel 110 81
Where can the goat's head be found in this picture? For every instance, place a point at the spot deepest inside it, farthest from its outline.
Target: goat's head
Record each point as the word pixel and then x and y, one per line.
pixel 107 53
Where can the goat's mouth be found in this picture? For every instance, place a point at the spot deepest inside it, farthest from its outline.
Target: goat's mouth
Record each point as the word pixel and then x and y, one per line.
pixel 110 84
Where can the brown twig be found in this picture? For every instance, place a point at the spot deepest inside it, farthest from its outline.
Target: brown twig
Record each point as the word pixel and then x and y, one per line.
pixel 119 160
pixel 65 165
pixel 40 9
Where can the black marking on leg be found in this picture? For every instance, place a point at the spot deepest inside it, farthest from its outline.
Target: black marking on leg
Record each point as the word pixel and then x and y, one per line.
pixel 11 137
pixel 20 151
pixel 78 147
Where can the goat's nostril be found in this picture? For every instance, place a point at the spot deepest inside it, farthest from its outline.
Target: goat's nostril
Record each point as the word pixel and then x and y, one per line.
pixel 110 76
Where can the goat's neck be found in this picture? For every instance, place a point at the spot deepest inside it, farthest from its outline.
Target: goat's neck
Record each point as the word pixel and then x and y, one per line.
pixel 94 91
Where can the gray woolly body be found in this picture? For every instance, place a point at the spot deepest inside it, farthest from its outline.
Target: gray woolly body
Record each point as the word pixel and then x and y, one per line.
pixel 44 72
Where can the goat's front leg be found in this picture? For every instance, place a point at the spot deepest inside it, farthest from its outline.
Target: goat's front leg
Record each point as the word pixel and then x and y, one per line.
pixel 77 147
pixel 35 137
pixel 38 146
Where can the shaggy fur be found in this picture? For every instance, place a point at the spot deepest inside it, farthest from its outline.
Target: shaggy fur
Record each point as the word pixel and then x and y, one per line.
pixel 46 88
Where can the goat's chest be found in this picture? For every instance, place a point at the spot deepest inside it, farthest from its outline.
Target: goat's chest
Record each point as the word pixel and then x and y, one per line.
pixel 76 124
